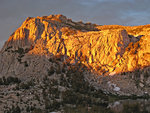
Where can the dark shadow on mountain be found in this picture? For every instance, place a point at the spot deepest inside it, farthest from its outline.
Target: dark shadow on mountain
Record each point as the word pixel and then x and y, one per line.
pixel 40 28
pixel 134 39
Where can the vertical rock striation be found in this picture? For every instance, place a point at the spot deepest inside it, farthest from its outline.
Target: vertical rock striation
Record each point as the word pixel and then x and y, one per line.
pixel 105 50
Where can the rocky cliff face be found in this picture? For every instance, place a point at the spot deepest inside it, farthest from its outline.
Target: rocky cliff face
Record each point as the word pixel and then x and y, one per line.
pixel 104 50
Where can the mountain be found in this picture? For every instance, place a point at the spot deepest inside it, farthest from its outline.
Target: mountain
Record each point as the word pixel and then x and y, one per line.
pixel 112 58
pixel 105 49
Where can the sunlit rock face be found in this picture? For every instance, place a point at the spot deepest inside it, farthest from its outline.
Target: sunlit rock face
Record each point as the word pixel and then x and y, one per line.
pixel 106 50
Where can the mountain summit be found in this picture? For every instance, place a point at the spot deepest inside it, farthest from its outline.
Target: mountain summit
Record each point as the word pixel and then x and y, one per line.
pixel 52 62
pixel 105 50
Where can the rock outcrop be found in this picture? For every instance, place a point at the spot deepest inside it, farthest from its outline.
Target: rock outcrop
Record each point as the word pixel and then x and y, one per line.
pixel 104 50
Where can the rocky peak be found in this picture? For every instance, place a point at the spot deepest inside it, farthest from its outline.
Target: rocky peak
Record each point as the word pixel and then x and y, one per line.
pixel 45 28
pixel 105 49
pixel 104 53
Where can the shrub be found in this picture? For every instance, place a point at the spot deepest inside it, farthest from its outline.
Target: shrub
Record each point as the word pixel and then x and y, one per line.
pixel 14 110
pixel 20 50
pixel 51 71
pixel 27 85
pixel 9 80
pixel 26 64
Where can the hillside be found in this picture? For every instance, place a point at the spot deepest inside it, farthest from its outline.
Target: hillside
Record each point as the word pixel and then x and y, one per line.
pixel 110 58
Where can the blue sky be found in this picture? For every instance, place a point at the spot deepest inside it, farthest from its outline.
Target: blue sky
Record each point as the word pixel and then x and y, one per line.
pixel 102 12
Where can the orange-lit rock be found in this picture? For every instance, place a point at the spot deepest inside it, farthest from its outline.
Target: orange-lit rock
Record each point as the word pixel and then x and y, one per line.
pixel 112 47
pixel 105 50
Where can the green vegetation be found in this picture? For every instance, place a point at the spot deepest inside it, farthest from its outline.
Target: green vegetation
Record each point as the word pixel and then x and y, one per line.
pixel 8 48
pixel 20 51
pixel 77 91
pixel 13 109
pixel 65 90
pixel 9 80
pixel 26 85
pixel 51 71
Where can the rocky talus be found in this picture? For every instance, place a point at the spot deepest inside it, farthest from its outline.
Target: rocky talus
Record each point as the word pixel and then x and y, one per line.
pixel 117 58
